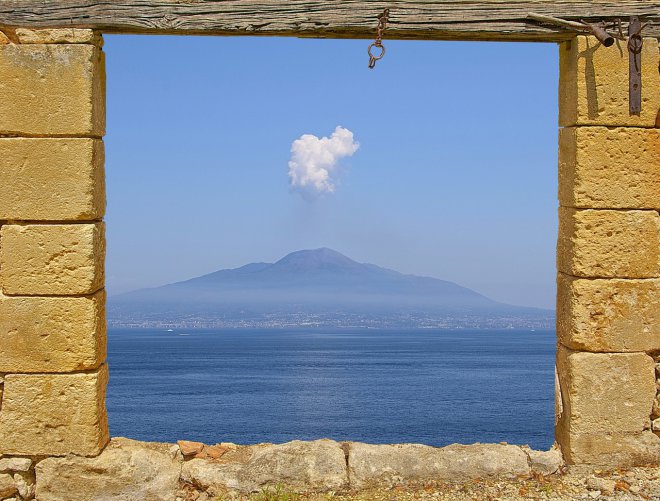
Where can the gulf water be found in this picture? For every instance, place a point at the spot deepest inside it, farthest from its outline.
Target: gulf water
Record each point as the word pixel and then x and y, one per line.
pixel 379 386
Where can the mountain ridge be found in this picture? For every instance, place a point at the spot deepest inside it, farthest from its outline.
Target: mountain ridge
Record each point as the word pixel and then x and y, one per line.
pixel 310 283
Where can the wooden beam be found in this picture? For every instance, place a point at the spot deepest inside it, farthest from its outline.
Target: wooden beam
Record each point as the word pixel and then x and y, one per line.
pixel 409 19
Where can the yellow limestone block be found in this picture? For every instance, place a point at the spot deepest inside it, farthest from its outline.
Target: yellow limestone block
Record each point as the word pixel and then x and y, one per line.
pixel 601 168
pixel 51 179
pixel 608 315
pixel 609 243
pixel 58 259
pixel 52 334
pixel 606 402
pixel 57 35
pixel 52 90
pixel 593 83
pixel 54 414
pixel 615 450
pixel 605 392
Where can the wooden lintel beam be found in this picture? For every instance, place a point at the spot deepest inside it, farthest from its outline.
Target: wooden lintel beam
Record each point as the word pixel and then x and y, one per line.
pixel 409 19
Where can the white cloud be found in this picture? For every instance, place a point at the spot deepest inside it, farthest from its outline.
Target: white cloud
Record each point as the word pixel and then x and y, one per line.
pixel 313 168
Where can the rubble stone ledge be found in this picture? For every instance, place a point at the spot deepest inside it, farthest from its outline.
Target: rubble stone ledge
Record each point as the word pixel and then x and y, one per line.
pixel 128 470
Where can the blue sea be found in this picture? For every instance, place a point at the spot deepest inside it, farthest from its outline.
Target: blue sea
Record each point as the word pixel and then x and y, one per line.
pixel 380 386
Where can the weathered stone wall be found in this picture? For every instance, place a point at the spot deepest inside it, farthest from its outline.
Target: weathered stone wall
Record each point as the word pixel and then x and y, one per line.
pixel 608 257
pixel 52 248
pixel 52 245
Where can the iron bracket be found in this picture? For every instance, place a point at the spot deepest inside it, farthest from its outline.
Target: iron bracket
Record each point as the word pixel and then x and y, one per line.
pixel 635 43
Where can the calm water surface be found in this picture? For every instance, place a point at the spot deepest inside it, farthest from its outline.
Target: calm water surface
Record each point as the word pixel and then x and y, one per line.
pixel 246 386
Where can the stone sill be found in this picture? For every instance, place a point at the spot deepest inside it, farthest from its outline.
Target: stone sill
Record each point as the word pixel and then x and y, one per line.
pixel 131 470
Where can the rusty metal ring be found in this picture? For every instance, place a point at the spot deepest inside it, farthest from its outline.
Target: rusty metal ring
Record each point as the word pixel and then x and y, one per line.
pixel 380 46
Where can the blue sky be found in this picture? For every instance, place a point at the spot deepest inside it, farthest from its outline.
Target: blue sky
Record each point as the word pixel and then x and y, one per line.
pixel 455 175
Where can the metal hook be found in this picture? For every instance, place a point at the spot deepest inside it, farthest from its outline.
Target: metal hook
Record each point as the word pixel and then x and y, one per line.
pixel 382 22
pixel 372 58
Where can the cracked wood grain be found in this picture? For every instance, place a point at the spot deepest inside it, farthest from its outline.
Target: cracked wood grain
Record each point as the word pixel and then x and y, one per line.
pixel 409 19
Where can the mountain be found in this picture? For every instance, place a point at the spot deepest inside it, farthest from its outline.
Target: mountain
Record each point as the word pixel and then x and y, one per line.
pixel 318 287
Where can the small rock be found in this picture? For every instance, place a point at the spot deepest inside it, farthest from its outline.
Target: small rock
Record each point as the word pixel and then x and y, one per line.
pixel 603 485
pixel 655 412
pixel 190 448
pixel 545 462
pixel 175 451
pixel 15 464
pixel 7 486
pixel 25 488
pixel 634 489
pixel 215 451
pixel 655 424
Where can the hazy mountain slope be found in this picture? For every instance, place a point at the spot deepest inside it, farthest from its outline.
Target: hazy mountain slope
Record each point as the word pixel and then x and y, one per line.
pixel 308 282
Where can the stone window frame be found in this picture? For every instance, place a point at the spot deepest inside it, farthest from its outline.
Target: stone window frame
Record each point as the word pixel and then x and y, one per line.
pixel 53 371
